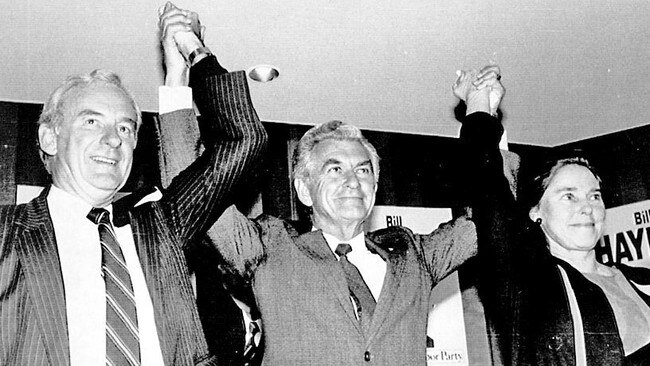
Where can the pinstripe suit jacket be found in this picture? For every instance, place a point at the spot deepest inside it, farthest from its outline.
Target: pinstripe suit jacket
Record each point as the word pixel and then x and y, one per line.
pixel 33 329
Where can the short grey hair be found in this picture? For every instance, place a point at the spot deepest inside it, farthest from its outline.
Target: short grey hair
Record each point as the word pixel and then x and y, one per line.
pixel 332 130
pixel 53 109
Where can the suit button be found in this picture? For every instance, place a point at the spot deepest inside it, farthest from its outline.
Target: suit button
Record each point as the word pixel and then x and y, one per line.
pixel 366 356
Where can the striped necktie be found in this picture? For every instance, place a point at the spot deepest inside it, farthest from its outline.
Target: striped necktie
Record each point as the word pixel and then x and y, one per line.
pixel 251 349
pixel 359 290
pixel 122 340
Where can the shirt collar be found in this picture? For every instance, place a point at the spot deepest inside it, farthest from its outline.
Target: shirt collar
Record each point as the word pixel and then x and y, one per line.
pixel 358 243
pixel 135 199
pixel 68 205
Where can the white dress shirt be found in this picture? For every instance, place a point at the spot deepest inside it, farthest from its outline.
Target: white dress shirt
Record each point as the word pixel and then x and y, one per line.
pixel 371 266
pixel 85 291
pixel 246 314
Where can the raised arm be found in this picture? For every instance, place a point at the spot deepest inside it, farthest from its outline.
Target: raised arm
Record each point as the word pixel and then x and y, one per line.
pixel 456 241
pixel 235 139
pixel 495 214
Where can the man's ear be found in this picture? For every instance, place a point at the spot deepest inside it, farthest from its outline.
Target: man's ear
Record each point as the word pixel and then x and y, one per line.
pixel 302 189
pixel 47 139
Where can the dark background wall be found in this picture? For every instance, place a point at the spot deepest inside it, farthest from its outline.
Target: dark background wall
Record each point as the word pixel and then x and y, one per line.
pixel 416 170
pixel 622 159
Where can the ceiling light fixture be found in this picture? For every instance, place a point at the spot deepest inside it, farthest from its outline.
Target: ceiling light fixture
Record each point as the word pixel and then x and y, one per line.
pixel 263 73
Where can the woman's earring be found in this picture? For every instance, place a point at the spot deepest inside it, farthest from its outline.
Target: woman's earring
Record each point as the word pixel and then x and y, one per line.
pixel 539 221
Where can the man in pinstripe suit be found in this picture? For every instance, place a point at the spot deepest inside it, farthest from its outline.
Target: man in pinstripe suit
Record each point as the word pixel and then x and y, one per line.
pixel 52 300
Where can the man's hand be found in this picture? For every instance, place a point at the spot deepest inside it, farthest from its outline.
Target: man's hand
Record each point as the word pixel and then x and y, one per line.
pixel 482 90
pixel 463 86
pixel 490 77
pixel 178 40
pixel 476 99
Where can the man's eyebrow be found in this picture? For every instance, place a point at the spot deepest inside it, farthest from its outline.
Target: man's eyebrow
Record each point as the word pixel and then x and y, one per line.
pixel 365 162
pixel 88 112
pixel 331 161
pixel 335 161
pixel 130 120
pixel 92 112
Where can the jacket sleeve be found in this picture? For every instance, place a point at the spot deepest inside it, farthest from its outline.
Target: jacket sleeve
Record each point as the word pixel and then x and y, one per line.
pixel 240 241
pixel 233 138
pixel 498 224
pixel 448 246
pixel 452 243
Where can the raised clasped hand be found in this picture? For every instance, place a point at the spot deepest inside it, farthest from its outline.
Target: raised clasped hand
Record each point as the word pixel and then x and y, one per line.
pixel 480 90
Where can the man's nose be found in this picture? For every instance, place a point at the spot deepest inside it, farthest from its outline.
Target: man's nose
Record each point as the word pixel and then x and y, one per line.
pixel 351 179
pixel 111 137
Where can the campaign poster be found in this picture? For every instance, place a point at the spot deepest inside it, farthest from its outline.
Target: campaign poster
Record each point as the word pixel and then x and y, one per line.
pixel 626 238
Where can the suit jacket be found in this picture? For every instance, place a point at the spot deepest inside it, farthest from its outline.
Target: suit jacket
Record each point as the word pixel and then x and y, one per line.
pixel 304 299
pixel 33 329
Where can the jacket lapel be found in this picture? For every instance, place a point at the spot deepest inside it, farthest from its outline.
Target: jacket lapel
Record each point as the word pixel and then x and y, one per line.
pixel 603 345
pixel 179 328
pixel 153 268
pixel 36 247
pixel 313 245
pixel 392 249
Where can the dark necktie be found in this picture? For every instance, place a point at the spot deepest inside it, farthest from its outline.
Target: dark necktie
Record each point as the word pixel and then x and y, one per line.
pixel 359 291
pixel 251 349
pixel 122 340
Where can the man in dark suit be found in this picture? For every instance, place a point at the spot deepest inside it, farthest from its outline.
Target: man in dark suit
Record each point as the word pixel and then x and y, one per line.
pixel 116 289
pixel 317 309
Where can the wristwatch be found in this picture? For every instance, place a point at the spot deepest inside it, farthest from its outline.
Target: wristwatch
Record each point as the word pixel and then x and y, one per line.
pixel 199 51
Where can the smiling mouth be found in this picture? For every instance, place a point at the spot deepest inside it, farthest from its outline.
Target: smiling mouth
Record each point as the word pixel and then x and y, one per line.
pixel 103 160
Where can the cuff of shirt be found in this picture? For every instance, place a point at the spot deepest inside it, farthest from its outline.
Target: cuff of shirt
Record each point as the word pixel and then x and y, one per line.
pixel 175 98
